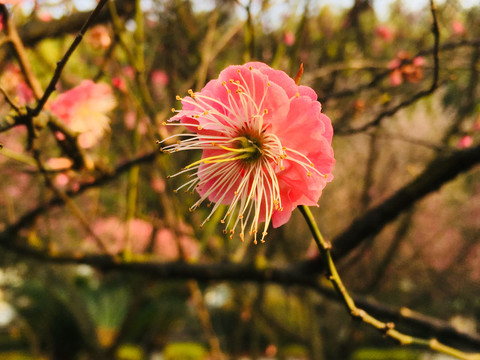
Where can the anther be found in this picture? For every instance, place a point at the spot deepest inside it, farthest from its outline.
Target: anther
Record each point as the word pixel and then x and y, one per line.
pixel 190 91
pixel 178 97
pixel 309 174
pixel 164 122
pixel 224 231
pixel 199 127
pixel 265 111
pixel 175 191
pixel 297 95
pixel 222 221
pixel 250 68
pixel 269 84
pixel 240 216
pixel 238 71
pixel 224 83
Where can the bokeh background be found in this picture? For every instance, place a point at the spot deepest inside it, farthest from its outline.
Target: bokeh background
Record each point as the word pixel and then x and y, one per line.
pixel 100 260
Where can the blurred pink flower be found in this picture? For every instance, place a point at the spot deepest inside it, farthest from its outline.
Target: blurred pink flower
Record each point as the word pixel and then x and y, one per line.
pixel 131 122
pixel 465 142
pixel 404 68
pixel 289 38
pixel 59 163
pixel 99 37
pixel 45 16
pixel 119 83
pixel 266 146
pixel 167 246
pixel 384 32
pixel 62 180
pixel 84 109
pixel 11 2
pixel 129 72
pixel 112 232
pixel 158 184
pixel 458 27
pixel 476 125
pixel 159 78
pixel 13 82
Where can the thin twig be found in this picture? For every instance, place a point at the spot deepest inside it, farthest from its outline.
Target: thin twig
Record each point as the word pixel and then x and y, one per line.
pixel 22 58
pixel 63 61
pixel 421 94
pixel 69 202
pixel 387 329
pixel 10 101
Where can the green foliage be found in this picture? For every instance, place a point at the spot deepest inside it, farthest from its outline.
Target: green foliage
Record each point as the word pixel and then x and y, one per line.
pixel 386 354
pixel 130 352
pixel 184 351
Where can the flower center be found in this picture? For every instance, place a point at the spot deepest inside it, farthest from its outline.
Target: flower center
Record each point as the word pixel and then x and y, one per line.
pixel 251 146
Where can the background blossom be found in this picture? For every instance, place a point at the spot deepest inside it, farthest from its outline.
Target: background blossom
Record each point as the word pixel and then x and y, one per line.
pixel 84 109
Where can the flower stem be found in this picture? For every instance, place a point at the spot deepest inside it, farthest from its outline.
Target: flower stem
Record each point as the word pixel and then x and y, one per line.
pixel 387 329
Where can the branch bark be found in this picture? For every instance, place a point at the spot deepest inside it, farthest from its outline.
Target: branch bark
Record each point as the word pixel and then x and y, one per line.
pixel 35 31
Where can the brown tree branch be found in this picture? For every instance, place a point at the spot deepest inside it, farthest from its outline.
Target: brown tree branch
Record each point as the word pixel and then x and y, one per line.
pixel 439 172
pixel 63 61
pixel 249 273
pixel 36 30
pixel 419 95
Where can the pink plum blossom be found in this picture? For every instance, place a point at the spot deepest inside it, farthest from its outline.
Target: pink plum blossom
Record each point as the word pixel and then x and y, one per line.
pixel 465 142
pixel 129 72
pixel 266 146
pixel 59 163
pixel 384 32
pixel 289 38
pixel 458 27
pixel 112 232
pixel 159 78
pixel 119 83
pixel 45 16
pixel 13 82
pixel 404 68
pixel 84 110
pixel 99 37
pixel 11 2
pixel 62 180
pixel 476 125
